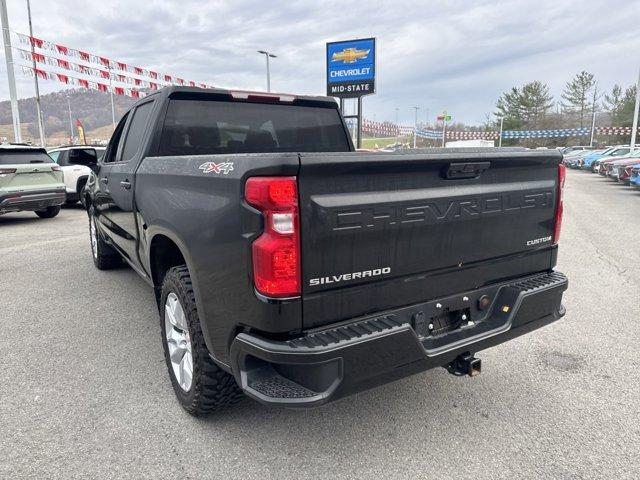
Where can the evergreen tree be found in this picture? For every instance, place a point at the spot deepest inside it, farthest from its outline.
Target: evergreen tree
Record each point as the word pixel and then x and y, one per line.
pixel 577 95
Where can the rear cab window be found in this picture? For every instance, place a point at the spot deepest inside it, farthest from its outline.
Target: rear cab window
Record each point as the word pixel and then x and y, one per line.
pixel 21 157
pixel 206 127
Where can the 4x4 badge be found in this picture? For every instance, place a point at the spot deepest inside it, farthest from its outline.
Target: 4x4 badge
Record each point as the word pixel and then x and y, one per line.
pixel 211 167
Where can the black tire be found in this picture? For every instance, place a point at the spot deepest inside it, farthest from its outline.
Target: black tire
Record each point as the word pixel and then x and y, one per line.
pixel 48 212
pixel 211 387
pixel 104 256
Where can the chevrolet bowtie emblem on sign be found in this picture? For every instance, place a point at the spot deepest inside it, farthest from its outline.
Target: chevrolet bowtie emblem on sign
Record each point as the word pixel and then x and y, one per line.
pixel 349 55
pixel 211 167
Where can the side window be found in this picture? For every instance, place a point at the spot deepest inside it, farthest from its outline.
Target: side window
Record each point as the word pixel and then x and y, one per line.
pixel 116 139
pixel 63 158
pixel 136 131
pixel 54 156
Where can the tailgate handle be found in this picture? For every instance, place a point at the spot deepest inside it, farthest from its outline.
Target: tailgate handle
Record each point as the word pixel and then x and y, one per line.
pixel 467 170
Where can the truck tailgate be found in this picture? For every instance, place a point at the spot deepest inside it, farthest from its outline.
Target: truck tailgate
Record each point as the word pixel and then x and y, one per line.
pixel 384 230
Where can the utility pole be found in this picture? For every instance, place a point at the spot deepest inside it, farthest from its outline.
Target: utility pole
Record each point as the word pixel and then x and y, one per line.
pixel 500 137
pixel 113 108
pixel 635 116
pixel 593 114
pixel 8 55
pixel 415 128
pixel 70 120
pixel 267 56
pixel 35 80
pixel 444 126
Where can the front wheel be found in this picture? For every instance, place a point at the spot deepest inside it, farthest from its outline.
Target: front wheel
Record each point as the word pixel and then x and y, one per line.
pixel 104 256
pixel 200 385
pixel 48 212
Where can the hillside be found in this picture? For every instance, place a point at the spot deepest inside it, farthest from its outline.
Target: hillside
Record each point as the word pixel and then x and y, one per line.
pixel 91 107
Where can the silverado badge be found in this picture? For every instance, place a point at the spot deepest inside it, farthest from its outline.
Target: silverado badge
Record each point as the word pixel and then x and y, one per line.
pixel 211 167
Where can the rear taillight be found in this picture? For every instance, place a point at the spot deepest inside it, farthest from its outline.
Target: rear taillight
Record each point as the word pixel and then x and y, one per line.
pixel 559 206
pixel 6 171
pixel 276 253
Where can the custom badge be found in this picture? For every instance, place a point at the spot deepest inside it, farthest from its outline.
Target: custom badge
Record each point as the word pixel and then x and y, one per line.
pixel 211 167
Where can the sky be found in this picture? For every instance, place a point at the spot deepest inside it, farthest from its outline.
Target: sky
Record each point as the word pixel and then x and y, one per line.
pixel 454 55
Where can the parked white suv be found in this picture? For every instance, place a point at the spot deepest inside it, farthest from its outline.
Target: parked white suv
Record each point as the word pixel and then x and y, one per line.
pixel 75 161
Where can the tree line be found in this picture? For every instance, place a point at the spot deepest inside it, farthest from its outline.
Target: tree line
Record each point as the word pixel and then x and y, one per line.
pixel 533 107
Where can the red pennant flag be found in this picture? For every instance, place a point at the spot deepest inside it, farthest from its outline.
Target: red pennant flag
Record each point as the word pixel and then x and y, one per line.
pixel 63 64
pixel 167 78
pixel 192 84
pixel 104 61
pixel 153 74
pixel 135 94
pixel 38 57
pixel 203 85
pixel 41 73
pixel 62 78
pixel 84 56
pixel 122 78
pixel 137 70
pixel 122 66
pixel 62 49
pixel 138 82
pixel 153 86
pixel 83 83
pixel 102 87
pixel 118 90
pixel 36 42
pixel 104 73
pixel 180 81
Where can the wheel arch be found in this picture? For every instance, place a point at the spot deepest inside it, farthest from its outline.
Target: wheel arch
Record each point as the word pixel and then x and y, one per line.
pixel 167 250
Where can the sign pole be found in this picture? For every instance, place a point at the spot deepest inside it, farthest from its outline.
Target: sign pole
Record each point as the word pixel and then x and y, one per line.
pixel 634 131
pixel 359 130
pixel 6 37
pixel 501 126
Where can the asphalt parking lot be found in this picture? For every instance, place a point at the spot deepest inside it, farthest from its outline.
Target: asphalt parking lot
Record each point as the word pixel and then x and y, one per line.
pixel 84 390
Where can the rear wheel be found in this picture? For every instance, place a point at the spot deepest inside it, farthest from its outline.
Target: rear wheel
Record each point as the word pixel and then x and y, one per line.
pixel 200 385
pixel 48 212
pixel 104 256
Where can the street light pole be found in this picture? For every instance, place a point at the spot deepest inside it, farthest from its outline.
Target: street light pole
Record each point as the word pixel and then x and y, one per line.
pixel 35 79
pixel 501 126
pixel 635 116
pixel 267 56
pixel 113 108
pixel 11 76
pixel 415 128
pixel 397 126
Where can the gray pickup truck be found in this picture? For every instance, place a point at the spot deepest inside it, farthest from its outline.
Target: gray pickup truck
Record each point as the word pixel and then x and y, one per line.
pixel 293 269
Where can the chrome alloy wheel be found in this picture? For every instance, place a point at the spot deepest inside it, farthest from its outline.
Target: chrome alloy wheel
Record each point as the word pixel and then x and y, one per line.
pixel 94 236
pixel 178 341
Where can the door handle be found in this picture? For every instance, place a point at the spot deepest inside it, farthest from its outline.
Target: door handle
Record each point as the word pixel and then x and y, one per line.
pixel 104 180
pixel 126 184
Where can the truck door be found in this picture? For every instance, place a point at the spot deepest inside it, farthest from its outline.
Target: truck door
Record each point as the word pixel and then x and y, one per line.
pixel 120 214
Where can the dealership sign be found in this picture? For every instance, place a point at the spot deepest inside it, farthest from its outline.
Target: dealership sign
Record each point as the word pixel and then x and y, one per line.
pixel 351 68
